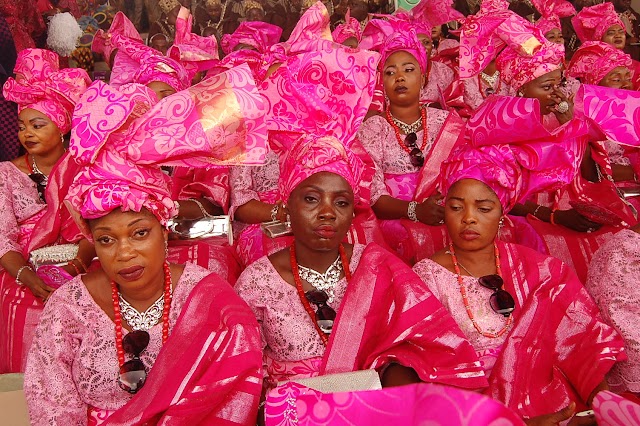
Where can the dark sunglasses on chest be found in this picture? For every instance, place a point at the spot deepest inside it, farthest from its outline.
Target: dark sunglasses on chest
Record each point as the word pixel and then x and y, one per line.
pixel 133 373
pixel 325 315
pixel 501 301
pixel 41 184
pixel 416 156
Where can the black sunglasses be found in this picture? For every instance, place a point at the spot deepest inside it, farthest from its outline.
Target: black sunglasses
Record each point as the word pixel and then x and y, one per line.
pixel 501 301
pixel 417 157
pixel 41 184
pixel 325 313
pixel 133 373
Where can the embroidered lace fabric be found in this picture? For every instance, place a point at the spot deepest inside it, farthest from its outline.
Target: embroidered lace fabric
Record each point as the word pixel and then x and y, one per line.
pixel 286 329
pixel 19 201
pixel 616 153
pixel 378 138
pixel 73 364
pixel 472 95
pixel 613 283
pixel 444 285
pixel 250 182
pixel 440 77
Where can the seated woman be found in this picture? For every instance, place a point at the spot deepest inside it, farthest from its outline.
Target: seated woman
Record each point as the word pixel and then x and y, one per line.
pixel 322 303
pixel 549 23
pixel 618 262
pixel 31 188
pixel 103 331
pixel 527 315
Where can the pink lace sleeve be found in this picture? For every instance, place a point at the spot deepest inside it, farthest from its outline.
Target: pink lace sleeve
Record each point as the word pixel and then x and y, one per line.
pixel 241 185
pixel 51 397
pixel 19 201
pixel 440 78
pixel 254 182
pixel 613 283
pixel 372 134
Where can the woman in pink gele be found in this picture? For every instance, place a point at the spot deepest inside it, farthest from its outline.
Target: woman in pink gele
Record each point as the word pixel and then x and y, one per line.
pixel 321 302
pixel 602 23
pixel 31 191
pixel 348 33
pixel 140 314
pixel 549 22
pixel 527 315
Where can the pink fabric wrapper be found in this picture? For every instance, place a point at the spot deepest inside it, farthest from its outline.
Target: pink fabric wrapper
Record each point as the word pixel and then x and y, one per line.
pixel 43 86
pixel 422 403
pixel 594 60
pixel 121 139
pixel 195 52
pixel 552 11
pixel 120 25
pixel 615 410
pixel 259 35
pixel 485 34
pixel 517 69
pixel 591 23
pixel 350 28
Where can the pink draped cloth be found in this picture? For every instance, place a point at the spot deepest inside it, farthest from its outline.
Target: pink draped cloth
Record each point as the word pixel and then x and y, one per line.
pixel 617 262
pixel 195 52
pixel 119 25
pixel 557 332
pixel 208 370
pixel 257 34
pixel 615 410
pixel 418 332
pixel 422 403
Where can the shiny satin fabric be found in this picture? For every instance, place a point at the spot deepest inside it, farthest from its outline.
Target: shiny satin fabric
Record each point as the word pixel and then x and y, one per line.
pixel 559 349
pixel 209 370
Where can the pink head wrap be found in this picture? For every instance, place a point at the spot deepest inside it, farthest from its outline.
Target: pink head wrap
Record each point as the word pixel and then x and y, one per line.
pixel 195 52
pixel 310 155
pixel 42 86
pixel 404 40
pixel 121 138
pixel 257 34
pixel 552 11
pixel 594 60
pixel 435 12
pixel 120 25
pixel 350 28
pixel 591 23
pixel 378 30
pixel 485 34
pixel 513 164
pixel 517 70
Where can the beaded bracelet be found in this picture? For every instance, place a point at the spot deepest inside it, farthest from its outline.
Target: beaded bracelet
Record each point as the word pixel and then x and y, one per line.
pixel 22 268
pixel 411 211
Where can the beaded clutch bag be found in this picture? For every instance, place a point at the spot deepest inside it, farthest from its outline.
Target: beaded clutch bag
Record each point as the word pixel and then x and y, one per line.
pixel 275 228
pixel 207 227
pixel 343 382
pixel 53 255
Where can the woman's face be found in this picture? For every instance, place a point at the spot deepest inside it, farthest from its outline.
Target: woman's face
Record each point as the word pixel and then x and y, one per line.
pixel 255 14
pixel 402 79
pixel 161 88
pixel 541 89
pixel 130 246
pixel 472 215
pixel 436 32
pixel 214 10
pixel 615 36
pixel 617 78
pixel 37 134
pixel 427 42
pixel 555 36
pixel 321 209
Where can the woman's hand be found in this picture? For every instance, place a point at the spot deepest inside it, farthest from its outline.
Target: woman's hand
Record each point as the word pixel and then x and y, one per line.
pixel 573 220
pixel 560 99
pixel 431 211
pixel 554 419
pixel 39 289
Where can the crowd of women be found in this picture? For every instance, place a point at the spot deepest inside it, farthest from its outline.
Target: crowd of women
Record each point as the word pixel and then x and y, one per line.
pixel 458 219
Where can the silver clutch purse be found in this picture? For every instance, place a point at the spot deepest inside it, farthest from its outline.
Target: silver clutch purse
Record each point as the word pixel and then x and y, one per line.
pixel 343 382
pixel 207 227
pixel 58 255
pixel 275 228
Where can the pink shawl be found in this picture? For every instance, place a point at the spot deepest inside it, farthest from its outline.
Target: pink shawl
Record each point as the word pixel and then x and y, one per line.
pixel 209 371
pixel 385 294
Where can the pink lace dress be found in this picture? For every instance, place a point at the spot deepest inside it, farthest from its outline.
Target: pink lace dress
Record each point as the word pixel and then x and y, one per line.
pixel 73 367
pixel 292 347
pixel 20 210
pixel 613 282
pixel 444 285
pixel 439 79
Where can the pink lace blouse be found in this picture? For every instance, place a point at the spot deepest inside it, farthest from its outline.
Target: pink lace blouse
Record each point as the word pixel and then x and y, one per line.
pixel 440 78
pixel 73 365
pixel 472 95
pixel 19 202
pixel 378 138
pixel 252 182
pixel 286 329
pixel 444 285
pixel 613 283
